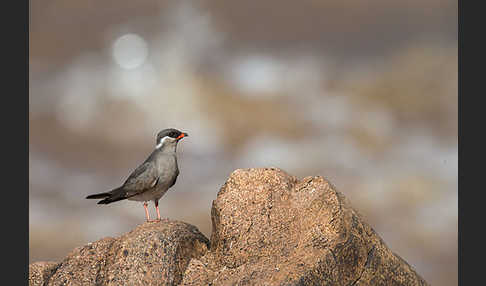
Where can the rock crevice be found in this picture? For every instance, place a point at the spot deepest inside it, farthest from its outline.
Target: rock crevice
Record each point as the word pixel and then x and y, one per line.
pixel 151 254
pixel 269 228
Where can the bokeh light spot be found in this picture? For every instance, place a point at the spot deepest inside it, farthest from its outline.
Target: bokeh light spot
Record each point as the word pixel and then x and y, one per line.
pixel 130 51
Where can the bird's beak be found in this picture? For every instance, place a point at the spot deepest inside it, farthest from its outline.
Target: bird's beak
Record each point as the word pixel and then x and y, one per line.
pixel 182 136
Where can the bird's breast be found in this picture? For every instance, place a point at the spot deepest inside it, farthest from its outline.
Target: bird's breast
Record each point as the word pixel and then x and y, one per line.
pixel 167 169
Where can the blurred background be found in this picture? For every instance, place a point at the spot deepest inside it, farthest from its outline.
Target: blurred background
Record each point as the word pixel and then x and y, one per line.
pixel 362 93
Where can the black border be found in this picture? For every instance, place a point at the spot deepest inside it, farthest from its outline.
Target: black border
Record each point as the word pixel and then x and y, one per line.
pixel 470 143
pixel 15 143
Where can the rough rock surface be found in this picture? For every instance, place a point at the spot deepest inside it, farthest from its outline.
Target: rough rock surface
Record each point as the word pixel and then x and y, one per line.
pixel 271 229
pixel 39 272
pixel 151 254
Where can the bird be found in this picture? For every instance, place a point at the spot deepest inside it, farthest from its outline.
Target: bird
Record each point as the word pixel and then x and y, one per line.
pixel 151 180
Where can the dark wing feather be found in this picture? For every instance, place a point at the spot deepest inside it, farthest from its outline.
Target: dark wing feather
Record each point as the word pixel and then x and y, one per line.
pixel 141 179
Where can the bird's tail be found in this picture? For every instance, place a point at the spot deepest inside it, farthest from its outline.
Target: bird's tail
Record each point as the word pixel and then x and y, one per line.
pixel 109 197
pixel 99 196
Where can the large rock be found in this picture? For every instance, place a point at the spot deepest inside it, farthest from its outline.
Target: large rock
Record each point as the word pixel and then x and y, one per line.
pixel 39 272
pixel 271 229
pixel 151 254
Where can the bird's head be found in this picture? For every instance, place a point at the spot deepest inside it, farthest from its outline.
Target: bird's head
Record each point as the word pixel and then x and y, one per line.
pixel 169 136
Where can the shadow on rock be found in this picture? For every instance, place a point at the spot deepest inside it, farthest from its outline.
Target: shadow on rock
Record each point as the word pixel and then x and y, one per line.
pixel 151 254
pixel 269 228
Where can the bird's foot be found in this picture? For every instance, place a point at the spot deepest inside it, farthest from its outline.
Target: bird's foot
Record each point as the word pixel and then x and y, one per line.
pixel 158 220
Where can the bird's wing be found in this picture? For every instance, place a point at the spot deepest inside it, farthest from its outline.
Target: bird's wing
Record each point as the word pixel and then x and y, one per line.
pixel 141 179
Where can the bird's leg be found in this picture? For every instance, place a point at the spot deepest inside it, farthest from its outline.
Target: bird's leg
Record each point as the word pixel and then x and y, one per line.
pixel 157 208
pixel 145 204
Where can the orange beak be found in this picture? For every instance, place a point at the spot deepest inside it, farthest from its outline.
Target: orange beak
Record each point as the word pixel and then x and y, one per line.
pixel 182 136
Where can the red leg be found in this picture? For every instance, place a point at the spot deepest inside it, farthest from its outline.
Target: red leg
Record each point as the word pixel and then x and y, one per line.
pixel 146 211
pixel 157 208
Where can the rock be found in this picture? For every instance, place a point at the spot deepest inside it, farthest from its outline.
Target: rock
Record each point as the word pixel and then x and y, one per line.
pixel 151 254
pixel 39 272
pixel 269 228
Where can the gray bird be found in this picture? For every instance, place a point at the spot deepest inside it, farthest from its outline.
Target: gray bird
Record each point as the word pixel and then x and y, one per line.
pixel 151 180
